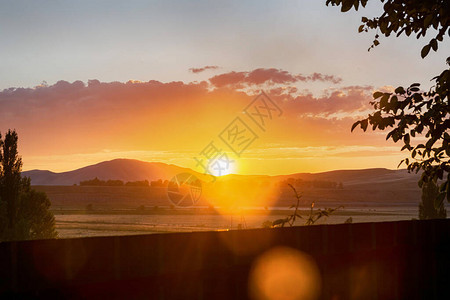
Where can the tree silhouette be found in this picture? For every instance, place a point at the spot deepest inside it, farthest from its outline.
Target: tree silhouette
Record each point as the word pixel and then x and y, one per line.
pixel 404 17
pixel 412 113
pixel 429 208
pixel 24 212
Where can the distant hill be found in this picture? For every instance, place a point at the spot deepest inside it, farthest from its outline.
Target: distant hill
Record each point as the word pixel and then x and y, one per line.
pixel 134 170
pixel 366 187
pixel 376 178
pixel 361 188
pixel 117 169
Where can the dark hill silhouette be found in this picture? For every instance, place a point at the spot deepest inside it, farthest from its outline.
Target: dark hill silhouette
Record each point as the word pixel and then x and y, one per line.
pixel 361 188
pixel 134 170
pixel 367 178
pixel 376 178
pixel 117 169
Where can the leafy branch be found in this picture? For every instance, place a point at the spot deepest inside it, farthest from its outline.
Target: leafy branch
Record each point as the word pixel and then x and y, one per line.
pixel 291 218
pixel 312 218
pixel 414 114
pixel 315 216
pixel 409 17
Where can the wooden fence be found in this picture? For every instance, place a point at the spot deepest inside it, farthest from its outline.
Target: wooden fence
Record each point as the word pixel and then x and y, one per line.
pixel 389 260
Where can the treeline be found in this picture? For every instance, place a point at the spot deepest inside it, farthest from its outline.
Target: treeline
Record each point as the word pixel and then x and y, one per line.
pixel 321 184
pixel 99 182
pixel 159 183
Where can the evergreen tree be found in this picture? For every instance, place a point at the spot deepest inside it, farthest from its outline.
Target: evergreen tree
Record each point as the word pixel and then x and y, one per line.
pixel 24 212
pixel 430 208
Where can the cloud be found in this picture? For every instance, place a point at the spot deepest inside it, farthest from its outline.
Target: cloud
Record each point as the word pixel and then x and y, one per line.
pixel 232 79
pixel 352 101
pixel 86 117
pixel 322 77
pixel 76 117
pixel 260 76
pixel 321 151
pixel 271 76
pixel 199 70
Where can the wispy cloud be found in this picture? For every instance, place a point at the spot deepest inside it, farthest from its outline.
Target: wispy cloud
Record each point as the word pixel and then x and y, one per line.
pixel 271 76
pixel 199 70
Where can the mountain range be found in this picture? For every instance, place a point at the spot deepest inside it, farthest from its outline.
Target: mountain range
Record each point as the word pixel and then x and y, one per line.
pixel 133 170
pixel 117 169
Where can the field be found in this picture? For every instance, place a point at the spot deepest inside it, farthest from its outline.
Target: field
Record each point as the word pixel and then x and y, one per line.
pixel 122 222
pixel 123 197
pixel 96 211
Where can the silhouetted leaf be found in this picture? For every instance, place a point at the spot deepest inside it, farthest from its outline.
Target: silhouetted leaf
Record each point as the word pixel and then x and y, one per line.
pixel 425 51
pixel 434 44
pixel 279 222
pixel 400 90
pixel 364 124
pixel 406 139
pixel 384 100
pixel 377 95
pixel 346 5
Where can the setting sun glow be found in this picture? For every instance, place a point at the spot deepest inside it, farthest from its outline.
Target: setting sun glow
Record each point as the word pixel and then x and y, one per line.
pixel 222 168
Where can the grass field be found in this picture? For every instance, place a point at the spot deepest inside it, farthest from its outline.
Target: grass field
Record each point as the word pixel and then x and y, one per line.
pixel 96 211
pixel 73 223
pixel 123 197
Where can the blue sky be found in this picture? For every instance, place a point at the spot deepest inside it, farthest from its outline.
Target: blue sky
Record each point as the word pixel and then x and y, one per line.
pixel 308 57
pixel 161 40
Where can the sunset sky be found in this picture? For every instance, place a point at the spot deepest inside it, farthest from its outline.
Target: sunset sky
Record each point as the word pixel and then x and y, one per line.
pixel 88 81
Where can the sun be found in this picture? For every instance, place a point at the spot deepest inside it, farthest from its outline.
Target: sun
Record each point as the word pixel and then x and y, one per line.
pixel 223 167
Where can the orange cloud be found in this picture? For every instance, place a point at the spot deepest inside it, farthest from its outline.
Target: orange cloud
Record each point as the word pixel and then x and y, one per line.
pixel 176 119
pixel 347 101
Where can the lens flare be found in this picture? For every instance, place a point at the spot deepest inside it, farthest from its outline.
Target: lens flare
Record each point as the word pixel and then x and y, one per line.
pixel 230 193
pixel 284 274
